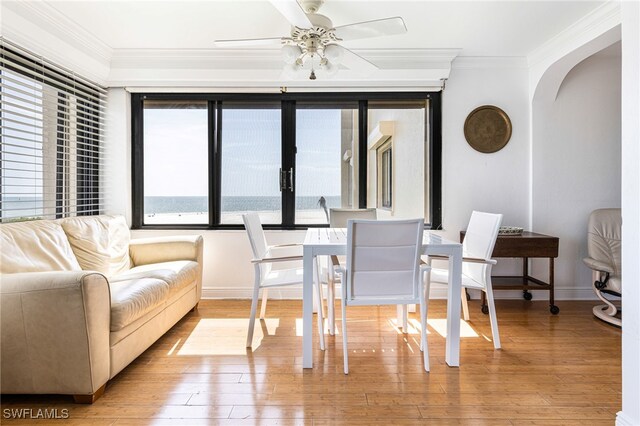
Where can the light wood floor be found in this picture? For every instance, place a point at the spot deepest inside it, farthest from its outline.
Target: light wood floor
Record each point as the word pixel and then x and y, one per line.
pixel 552 370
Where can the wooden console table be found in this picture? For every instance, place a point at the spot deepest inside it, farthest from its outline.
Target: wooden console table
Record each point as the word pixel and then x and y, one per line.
pixel 524 246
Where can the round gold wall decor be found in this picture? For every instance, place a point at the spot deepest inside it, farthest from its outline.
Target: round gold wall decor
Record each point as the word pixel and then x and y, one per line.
pixel 487 129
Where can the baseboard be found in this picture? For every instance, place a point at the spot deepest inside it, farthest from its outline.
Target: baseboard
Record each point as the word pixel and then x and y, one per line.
pixel 623 420
pixel 561 293
pixel 247 293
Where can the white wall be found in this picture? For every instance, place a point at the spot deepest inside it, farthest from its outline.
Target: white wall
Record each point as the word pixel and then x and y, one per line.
pixel 117 173
pixel 630 414
pixel 576 162
pixel 472 180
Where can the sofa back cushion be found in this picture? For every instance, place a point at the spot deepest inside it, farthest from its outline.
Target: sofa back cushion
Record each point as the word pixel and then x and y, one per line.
pixel 100 243
pixel 35 246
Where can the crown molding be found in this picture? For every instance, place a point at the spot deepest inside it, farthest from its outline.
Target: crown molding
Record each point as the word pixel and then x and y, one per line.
pixel 39 27
pixel 58 24
pixel 269 58
pixel 597 21
pixel 263 68
pixel 489 62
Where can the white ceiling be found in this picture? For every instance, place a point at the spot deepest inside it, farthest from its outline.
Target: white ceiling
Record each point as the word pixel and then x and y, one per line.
pixel 479 28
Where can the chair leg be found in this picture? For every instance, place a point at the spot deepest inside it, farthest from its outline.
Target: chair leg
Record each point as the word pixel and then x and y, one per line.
pixel 254 307
pixel 320 307
pixel 405 319
pixel 423 331
pixel 331 305
pixel 427 288
pixel 402 314
pixel 263 305
pixel 492 317
pixel 344 335
pixel 465 305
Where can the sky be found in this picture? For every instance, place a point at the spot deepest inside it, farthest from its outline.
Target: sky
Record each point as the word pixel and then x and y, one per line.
pixel 175 152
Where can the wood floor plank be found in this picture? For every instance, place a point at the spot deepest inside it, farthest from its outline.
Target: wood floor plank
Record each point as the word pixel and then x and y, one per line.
pixel 552 370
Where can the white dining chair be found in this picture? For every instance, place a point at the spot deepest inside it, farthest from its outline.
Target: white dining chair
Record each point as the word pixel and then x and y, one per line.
pixel 338 219
pixel 384 268
pixel 266 277
pixel 477 247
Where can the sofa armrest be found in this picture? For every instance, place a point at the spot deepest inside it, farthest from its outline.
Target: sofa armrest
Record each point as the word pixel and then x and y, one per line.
pixel 145 251
pixel 55 332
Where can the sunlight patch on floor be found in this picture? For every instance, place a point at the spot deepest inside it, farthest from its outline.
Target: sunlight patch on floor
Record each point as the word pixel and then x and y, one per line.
pixel 440 327
pixel 326 324
pixel 224 336
pixel 413 326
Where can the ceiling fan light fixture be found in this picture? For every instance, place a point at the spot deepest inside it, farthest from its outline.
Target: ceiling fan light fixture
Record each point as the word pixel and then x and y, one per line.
pixel 333 52
pixel 290 54
pixel 311 6
pixel 315 42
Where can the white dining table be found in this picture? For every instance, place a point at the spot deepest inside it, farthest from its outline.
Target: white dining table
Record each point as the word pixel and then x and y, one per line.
pixel 333 241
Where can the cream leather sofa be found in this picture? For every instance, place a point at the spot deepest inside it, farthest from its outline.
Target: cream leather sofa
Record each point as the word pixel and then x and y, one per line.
pixel 80 301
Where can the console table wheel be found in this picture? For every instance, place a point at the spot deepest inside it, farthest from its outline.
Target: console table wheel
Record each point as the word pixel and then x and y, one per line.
pixel 485 309
pixel 554 309
pixel 527 295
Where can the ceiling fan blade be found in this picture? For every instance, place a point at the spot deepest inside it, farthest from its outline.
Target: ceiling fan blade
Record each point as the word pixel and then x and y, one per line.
pixel 291 10
pixel 356 63
pixel 368 29
pixel 245 42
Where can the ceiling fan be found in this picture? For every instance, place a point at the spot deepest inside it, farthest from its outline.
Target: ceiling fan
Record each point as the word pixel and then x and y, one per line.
pixel 314 43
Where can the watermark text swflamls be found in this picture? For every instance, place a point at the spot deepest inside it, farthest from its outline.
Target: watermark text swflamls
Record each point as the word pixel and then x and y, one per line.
pixel 35 413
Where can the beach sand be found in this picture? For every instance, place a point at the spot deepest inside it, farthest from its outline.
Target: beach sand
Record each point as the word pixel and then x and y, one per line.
pixel 315 216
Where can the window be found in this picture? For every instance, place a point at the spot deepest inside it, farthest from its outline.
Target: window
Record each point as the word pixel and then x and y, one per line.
pixel 176 184
pixel 251 157
pixel 51 139
pixel 385 175
pixel 326 138
pixel 289 157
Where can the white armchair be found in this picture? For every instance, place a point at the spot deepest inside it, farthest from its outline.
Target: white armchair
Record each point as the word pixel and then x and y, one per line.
pixel 477 247
pixel 264 257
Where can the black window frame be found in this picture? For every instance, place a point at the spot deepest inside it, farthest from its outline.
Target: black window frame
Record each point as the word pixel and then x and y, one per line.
pixel 288 110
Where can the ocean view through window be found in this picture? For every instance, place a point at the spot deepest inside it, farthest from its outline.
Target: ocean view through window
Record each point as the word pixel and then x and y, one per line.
pixel 175 162
pixel 202 160
pixel 325 139
pixel 251 156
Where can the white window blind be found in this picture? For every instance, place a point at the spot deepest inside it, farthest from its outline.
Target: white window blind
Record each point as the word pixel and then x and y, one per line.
pixel 51 139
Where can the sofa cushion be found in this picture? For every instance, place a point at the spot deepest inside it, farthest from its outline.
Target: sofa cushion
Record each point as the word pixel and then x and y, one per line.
pixel 101 243
pixel 177 274
pixel 132 299
pixel 35 246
